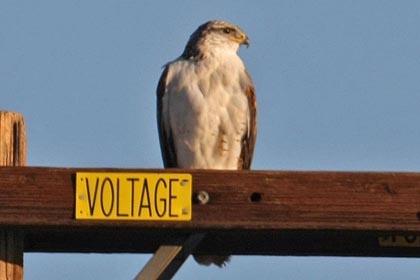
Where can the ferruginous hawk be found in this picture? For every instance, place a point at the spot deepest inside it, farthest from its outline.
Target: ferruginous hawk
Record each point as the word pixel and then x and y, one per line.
pixel 206 106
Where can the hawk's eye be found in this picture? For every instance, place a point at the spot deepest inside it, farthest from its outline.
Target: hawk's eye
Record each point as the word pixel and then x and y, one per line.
pixel 227 30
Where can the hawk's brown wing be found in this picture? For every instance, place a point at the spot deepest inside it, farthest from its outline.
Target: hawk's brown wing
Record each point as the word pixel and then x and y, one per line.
pixel 248 141
pixel 167 146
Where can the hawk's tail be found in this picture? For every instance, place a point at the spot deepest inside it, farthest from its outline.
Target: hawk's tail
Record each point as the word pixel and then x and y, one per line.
pixel 220 261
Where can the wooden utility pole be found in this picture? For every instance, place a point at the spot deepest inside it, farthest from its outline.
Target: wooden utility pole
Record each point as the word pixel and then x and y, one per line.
pixel 251 213
pixel 12 153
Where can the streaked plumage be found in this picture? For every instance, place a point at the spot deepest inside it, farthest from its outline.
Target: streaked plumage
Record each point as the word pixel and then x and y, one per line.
pixel 206 105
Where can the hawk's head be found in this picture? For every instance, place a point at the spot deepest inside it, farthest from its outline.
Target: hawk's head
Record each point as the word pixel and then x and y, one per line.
pixel 215 34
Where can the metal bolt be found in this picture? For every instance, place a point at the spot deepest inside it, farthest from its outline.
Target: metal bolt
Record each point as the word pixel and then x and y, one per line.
pixel 184 183
pixel 203 197
pixel 185 211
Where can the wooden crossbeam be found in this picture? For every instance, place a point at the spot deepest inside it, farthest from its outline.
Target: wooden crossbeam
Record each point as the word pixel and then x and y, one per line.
pixel 248 212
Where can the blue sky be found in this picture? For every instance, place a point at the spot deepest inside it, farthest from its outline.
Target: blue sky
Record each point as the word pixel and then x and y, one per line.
pixel 337 84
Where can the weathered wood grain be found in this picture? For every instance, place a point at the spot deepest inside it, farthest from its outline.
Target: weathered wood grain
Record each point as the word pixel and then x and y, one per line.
pixel 249 212
pixel 12 153
pixel 12 139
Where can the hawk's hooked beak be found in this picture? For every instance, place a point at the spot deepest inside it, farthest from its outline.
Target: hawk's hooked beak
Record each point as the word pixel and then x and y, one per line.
pixel 245 40
pixel 241 39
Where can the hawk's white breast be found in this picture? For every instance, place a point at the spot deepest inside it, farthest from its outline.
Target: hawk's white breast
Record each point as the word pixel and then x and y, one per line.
pixel 206 110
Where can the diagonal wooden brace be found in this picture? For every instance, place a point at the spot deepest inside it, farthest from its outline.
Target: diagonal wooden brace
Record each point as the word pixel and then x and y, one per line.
pixel 169 258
